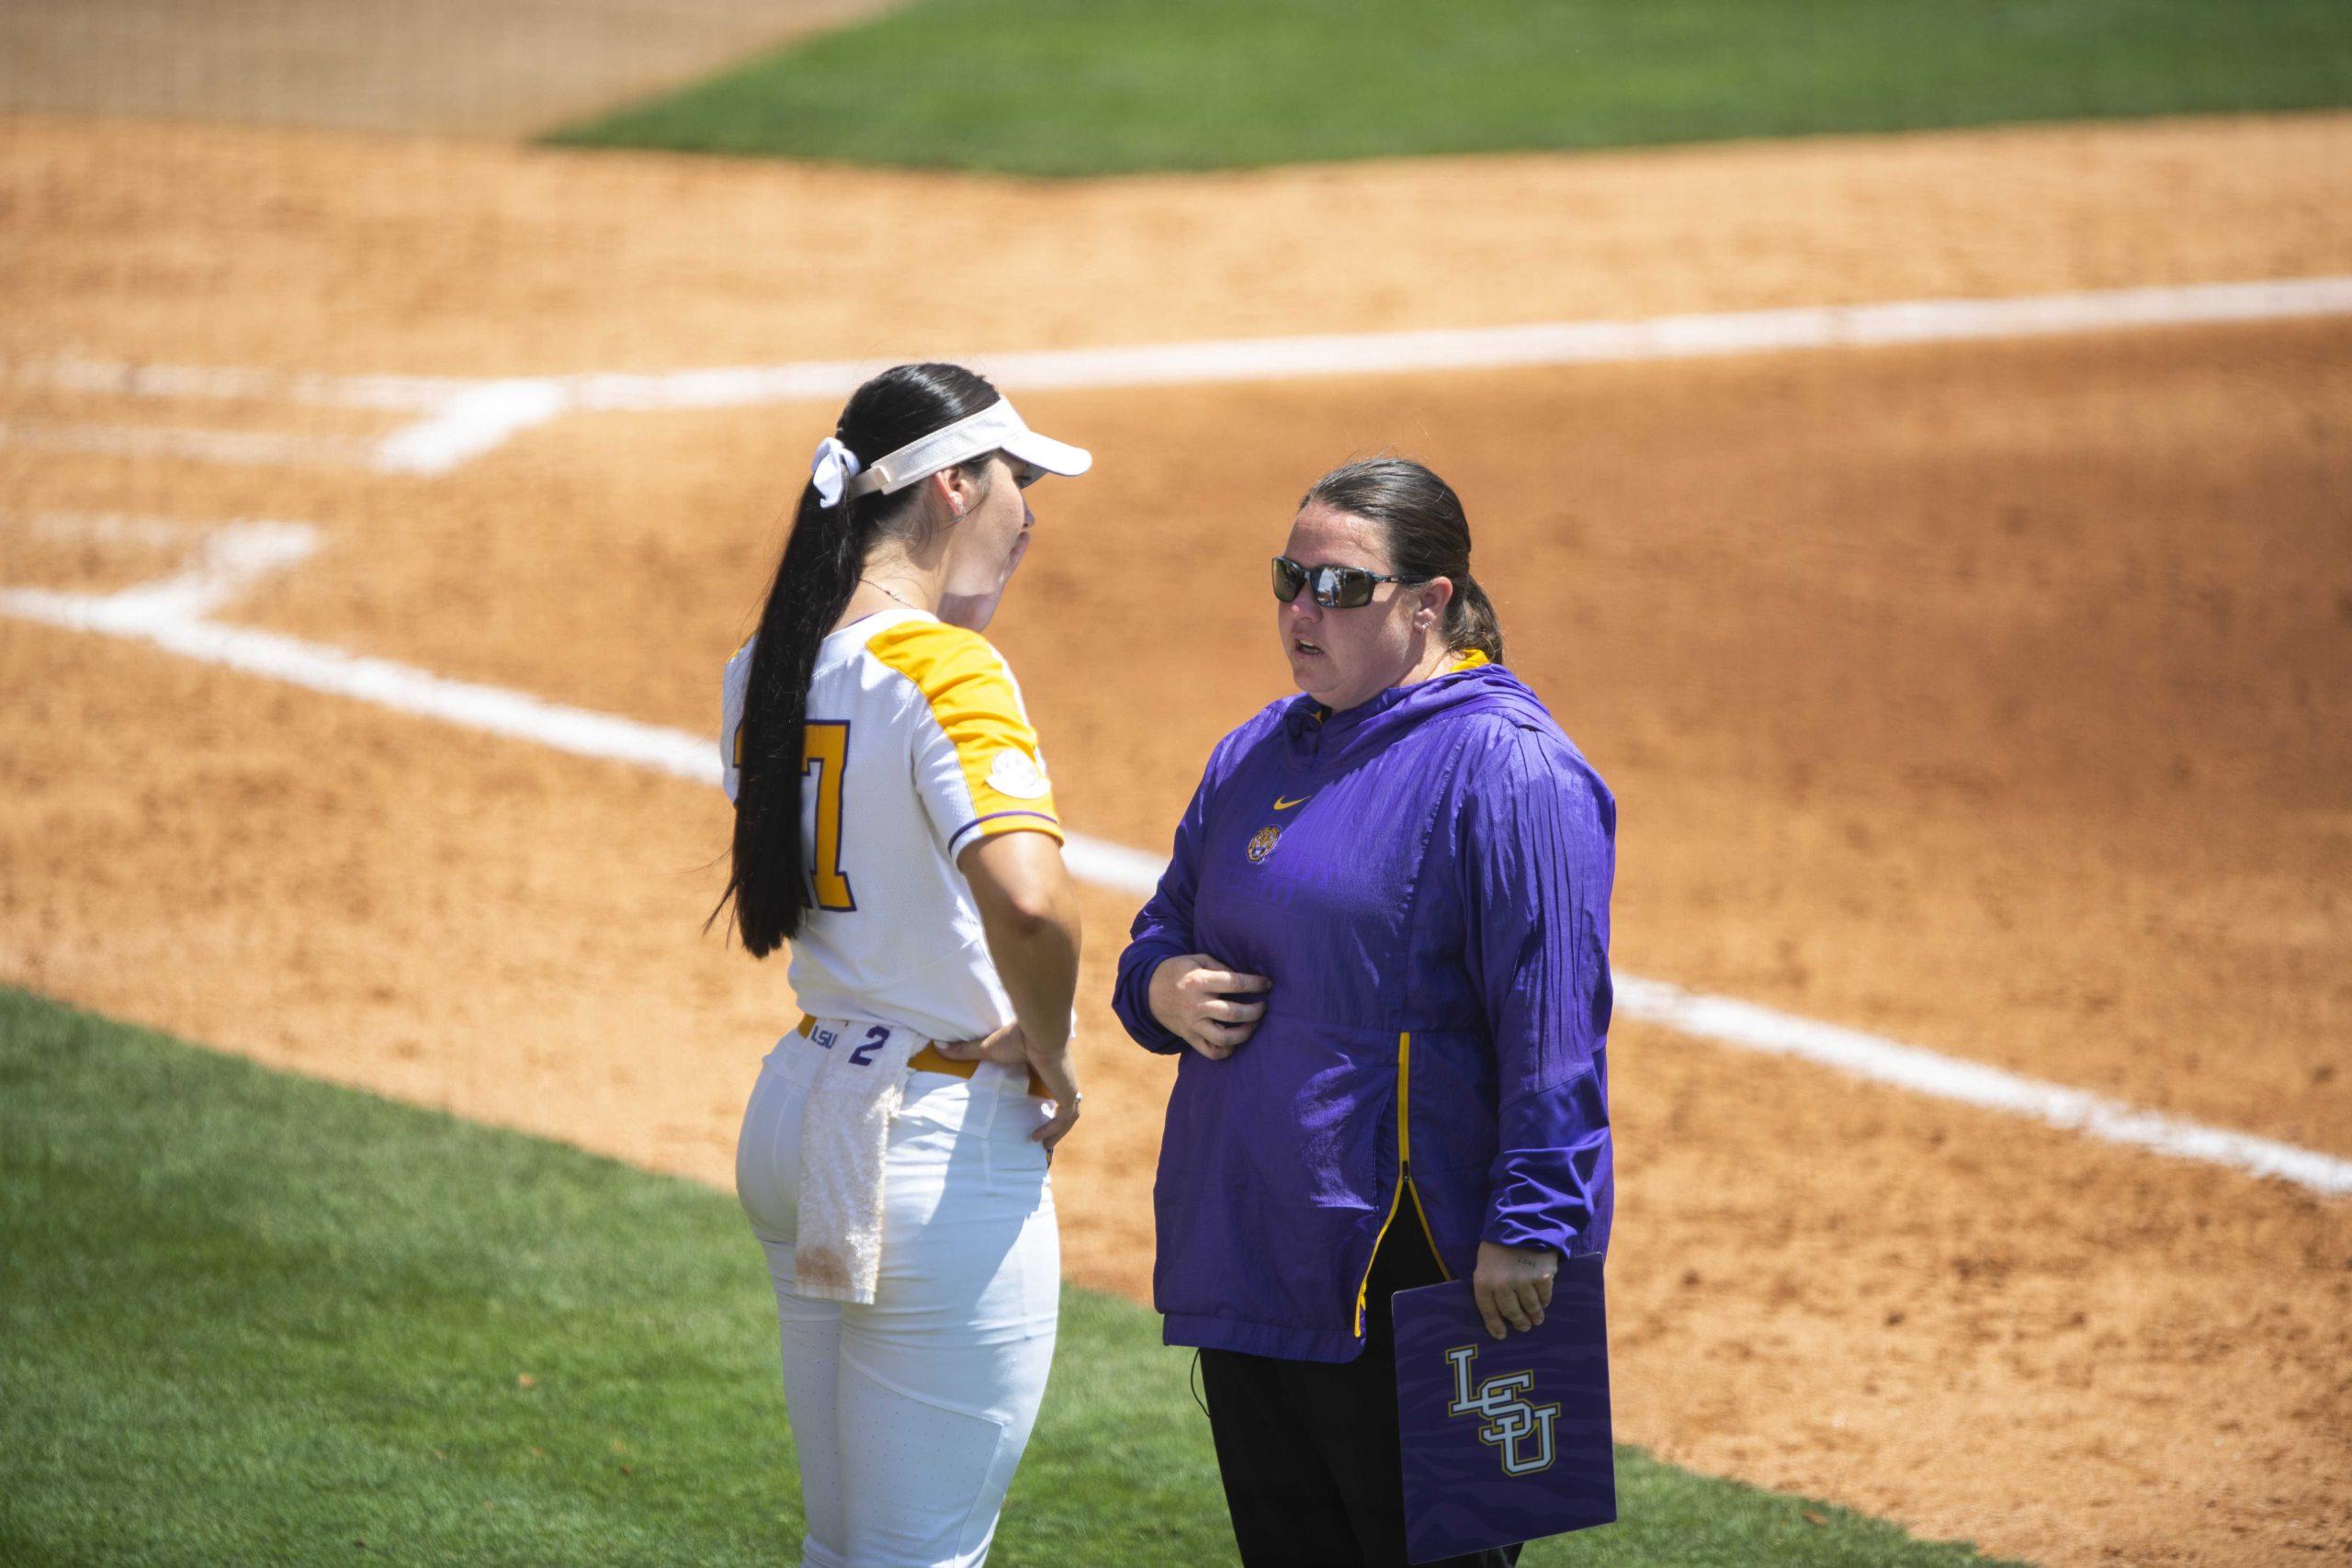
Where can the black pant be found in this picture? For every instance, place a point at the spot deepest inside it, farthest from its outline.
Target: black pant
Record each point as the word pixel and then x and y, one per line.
pixel 1308 1450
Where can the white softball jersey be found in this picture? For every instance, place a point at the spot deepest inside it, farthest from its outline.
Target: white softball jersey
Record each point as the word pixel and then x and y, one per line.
pixel 910 1410
pixel 917 745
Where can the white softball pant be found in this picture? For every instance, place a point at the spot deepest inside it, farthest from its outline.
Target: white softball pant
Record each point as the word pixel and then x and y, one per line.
pixel 910 1414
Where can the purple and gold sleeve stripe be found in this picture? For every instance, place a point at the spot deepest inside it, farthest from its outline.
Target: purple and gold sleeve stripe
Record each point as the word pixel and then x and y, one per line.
pixel 995 822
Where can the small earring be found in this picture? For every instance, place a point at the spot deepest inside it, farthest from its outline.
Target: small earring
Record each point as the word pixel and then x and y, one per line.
pixel 956 506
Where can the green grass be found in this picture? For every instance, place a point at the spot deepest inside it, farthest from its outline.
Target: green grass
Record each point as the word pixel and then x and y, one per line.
pixel 246 1317
pixel 1093 86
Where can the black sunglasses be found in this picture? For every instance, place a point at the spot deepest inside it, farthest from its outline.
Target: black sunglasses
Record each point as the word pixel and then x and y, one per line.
pixel 1335 587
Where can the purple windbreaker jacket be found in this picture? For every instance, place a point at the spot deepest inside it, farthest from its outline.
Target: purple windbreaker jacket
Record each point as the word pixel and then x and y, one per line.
pixel 1425 879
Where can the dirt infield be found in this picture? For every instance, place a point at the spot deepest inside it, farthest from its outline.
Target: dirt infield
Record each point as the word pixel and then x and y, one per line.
pixel 446 67
pixel 1994 697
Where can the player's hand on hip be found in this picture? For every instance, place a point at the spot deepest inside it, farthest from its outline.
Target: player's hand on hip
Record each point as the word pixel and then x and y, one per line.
pixel 1058 1127
pixel 1012 1047
pixel 1513 1285
pixel 1052 1068
pixel 1205 1004
pixel 1007 1047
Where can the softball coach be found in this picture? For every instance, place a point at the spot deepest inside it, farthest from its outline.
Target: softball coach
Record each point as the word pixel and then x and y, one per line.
pixel 1382 946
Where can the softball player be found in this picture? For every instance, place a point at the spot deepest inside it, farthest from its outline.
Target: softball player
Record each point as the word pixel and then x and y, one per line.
pixel 894 820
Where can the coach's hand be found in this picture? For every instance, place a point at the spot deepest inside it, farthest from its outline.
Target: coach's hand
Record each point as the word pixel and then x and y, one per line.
pixel 1513 1285
pixel 1193 996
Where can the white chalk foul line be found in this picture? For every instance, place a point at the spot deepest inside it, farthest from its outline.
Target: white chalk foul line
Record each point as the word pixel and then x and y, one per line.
pixel 240 384
pixel 1674 337
pixel 1973 1083
pixel 210 445
pixel 474 422
pixel 170 615
pixel 462 419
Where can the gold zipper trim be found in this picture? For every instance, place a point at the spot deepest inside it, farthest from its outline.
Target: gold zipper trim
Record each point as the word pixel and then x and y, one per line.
pixel 1405 1149
pixel 1404 1180
pixel 1364 1289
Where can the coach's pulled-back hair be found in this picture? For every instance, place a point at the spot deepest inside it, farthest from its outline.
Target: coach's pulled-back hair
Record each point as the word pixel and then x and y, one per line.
pixel 1428 536
pixel 822 561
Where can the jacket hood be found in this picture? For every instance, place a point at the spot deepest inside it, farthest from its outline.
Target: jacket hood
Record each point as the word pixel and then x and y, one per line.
pixel 1319 740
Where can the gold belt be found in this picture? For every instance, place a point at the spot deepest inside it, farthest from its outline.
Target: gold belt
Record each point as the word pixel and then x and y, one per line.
pixel 930 1059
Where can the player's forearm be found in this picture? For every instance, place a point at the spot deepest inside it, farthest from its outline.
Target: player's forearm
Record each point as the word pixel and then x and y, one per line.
pixel 1036 947
pixel 1040 974
pixel 1029 914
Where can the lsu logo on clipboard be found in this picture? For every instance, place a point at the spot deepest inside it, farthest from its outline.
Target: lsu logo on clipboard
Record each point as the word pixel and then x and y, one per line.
pixel 1518 1429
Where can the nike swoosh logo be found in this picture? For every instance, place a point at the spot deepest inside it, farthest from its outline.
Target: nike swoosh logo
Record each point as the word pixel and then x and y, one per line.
pixel 1287 804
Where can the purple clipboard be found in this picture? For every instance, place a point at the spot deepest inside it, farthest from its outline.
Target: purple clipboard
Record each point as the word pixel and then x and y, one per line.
pixel 1504 1440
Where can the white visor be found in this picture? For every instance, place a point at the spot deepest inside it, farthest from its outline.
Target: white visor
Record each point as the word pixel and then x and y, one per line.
pixel 993 428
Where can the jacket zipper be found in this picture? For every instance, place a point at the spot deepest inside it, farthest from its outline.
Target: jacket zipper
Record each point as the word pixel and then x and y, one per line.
pixel 1404 1181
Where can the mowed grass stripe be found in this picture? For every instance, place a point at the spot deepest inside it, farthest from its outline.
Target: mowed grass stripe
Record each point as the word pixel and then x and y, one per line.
pixel 250 1317
pixel 1099 86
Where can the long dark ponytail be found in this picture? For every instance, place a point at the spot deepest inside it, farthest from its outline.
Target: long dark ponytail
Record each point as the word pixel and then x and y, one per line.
pixel 1429 536
pixel 823 559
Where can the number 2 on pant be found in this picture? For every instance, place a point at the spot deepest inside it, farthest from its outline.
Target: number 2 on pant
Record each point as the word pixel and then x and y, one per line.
pixel 824 746
pixel 864 1055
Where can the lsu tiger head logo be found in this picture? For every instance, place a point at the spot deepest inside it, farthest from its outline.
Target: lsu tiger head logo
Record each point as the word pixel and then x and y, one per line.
pixel 1262 844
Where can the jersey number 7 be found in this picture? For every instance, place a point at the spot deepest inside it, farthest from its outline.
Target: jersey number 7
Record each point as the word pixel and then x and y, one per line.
pixel 824 746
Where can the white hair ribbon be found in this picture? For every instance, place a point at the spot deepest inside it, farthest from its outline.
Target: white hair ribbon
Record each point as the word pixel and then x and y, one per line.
pixel 831 469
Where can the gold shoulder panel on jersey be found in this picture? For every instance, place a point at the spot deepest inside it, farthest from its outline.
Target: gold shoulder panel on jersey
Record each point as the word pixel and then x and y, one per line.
pixel 972 694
